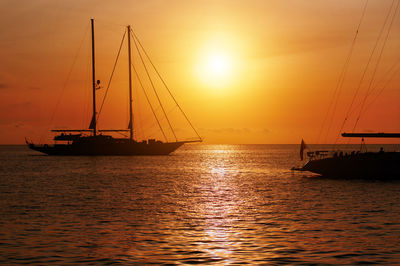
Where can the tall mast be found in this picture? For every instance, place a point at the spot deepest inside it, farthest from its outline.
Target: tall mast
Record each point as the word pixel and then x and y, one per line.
pixel 93 122
pixel 130 85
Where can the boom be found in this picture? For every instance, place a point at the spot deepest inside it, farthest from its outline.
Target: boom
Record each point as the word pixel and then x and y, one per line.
pixel 371 135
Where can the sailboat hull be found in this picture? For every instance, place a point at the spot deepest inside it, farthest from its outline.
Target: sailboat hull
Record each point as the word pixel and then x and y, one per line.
pixel 371 165
pixel 114 147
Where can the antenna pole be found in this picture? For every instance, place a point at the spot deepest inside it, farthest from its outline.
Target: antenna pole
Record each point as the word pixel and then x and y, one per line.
pixel 130 85
pixel 93 122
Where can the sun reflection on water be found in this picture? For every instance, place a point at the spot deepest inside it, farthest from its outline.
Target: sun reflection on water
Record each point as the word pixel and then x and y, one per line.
pixel 219 205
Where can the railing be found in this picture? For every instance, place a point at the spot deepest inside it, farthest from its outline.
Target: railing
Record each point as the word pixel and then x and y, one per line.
pixel 314 155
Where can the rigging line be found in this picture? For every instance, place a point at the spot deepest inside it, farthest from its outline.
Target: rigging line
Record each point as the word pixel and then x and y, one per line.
pixel 67 79
pixel 377 64
pixel 342 77
pixel 137 111
pixel 122 134
pixel 162 80
pixel 148 100
pixel 388 73
pixel 154 89
pixel 139 127
pixel 87 94
pixel 112 74
pixel 383 77
pixel 384 87
pixel 365 71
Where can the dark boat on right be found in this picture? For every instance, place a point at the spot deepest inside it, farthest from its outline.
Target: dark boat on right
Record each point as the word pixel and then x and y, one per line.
pixel 357 164
pixel 361 164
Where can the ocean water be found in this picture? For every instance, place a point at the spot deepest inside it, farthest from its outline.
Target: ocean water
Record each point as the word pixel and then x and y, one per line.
pixel 211 204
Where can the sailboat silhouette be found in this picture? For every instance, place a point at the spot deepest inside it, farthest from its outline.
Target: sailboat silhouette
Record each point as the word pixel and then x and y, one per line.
pixel 76 142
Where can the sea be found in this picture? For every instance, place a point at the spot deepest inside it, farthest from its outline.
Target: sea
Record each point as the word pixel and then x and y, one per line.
pixel 203 204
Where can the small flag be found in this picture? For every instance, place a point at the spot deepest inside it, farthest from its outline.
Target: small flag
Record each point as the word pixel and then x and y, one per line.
pixel 97 86
pixel 303 146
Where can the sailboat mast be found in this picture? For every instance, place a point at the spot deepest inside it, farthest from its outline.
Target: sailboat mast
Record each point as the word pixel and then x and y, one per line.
pixel 130 84
pixel 93 122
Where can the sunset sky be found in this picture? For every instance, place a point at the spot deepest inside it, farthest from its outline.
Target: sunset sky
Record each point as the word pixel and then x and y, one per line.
pixel 243 71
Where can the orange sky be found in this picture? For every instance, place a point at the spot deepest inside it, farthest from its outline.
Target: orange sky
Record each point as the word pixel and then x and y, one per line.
pixel 282 63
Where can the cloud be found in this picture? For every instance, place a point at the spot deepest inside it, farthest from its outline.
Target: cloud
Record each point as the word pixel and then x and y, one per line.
pixel 266 131
pixel 19 105
pixel 33 88
pixel 244 130
pixel 3 86
pixel 228 130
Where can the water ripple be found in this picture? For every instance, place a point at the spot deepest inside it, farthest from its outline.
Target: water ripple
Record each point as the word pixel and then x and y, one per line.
pixel 231 204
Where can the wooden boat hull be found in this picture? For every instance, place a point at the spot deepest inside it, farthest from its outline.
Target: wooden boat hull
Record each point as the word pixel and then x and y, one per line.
pixel 93 148
pixel 377 165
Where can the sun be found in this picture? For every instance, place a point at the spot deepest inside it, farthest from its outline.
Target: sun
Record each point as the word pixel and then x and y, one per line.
pixel 218 65
pixel 215 69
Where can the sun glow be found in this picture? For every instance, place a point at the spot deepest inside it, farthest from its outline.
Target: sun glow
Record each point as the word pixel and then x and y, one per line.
pixel 215 69
pixel 218 65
